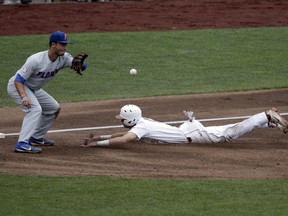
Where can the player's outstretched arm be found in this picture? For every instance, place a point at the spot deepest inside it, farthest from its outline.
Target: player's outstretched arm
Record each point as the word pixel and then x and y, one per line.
pixel 94 137
pixel 117 138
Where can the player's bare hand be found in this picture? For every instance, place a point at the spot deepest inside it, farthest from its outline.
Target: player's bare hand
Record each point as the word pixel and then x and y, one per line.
pixel 87 140
pixel 89 144
pixel 26 102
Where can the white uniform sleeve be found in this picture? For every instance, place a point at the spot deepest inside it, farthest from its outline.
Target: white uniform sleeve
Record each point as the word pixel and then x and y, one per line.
pixel 140 130
pixel 30 66
pixel 68 60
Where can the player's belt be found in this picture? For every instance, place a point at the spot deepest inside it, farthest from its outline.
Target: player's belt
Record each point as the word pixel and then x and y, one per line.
pixel 189 139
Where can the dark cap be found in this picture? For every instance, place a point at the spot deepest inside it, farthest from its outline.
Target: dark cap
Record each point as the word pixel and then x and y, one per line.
pixel 59 37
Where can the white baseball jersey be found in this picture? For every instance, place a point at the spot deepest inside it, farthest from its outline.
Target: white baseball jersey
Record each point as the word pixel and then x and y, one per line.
pixel 38 69
pixel 150 131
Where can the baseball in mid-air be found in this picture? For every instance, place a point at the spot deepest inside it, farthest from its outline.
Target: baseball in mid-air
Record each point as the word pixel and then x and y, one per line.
pixel 133 71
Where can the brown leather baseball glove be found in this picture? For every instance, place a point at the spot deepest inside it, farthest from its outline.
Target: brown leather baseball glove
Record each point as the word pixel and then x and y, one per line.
pixel 77 63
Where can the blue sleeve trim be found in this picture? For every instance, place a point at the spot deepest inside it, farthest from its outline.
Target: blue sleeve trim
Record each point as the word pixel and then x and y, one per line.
pixel 20 79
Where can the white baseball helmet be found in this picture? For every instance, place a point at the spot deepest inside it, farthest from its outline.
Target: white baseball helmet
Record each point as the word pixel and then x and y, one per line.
pixel 130 115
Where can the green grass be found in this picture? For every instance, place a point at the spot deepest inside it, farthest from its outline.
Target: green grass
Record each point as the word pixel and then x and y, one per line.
pixel 169 63
pixel 112 196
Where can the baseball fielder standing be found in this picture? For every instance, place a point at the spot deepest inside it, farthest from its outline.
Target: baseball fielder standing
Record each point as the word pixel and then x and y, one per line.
pixel 25 88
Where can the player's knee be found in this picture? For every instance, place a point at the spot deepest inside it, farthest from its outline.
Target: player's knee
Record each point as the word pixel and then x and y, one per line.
pixel 57 112
pixel 34 112
pixel 36 109
pixel 232 133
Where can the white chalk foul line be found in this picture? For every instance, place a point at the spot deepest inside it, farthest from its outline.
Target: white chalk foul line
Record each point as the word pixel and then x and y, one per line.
pixel 120 126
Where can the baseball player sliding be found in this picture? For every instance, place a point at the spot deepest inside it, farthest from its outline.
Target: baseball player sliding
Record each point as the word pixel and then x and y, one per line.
pixel 191 131
pixel 25 88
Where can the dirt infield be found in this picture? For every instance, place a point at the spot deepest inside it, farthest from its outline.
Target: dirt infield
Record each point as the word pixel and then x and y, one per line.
pixel 261 154
pixel 143 15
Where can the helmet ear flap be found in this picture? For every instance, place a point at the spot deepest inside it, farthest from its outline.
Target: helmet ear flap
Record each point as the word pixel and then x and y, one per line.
pixel 130 114
pixel 128 123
